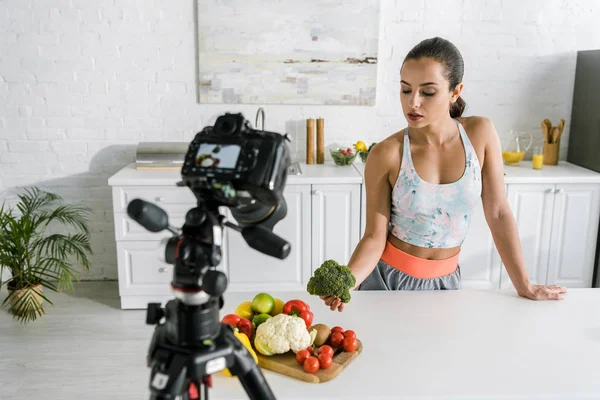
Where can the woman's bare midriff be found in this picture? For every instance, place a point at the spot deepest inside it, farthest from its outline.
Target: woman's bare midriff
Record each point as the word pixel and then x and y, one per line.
pixel 421 252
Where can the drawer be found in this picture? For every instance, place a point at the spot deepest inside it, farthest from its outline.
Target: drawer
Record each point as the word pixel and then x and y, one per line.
pixel 167 197
pixel 128 229
pixel 140 270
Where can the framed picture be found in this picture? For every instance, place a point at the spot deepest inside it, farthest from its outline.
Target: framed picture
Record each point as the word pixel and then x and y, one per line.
pixel 288 52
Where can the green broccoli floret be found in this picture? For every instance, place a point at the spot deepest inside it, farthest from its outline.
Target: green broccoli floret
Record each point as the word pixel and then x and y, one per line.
pixel 332 279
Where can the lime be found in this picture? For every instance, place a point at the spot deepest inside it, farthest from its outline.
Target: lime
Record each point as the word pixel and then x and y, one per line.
pixel 278 307
pixel 263 303
pixel 262 348
pixel 259 319
pixel 244 310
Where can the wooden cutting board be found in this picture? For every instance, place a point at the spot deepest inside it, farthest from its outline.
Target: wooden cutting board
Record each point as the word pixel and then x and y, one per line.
pixel 286 364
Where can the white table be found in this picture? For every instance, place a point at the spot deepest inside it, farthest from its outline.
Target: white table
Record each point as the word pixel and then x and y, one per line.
pixel 454 344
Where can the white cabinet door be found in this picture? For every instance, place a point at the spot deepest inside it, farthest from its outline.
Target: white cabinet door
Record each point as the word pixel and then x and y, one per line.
pixel 532 206
pixel 140 270
pixel 480 264
pixel 251 270
pixel 335 222
pixel 574 234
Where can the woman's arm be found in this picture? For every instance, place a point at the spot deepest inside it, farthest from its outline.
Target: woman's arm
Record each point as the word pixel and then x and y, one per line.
pixel 500 218
pixel 378 192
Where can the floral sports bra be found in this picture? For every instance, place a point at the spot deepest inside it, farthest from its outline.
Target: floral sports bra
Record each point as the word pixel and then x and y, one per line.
pixel 434 216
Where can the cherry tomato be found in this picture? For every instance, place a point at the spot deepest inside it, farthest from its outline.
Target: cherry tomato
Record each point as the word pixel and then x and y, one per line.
pixel 311 365
pixel 325 349
pixel 349 344
pixel 349 334
pixel 349 151
pixel 337 339
pixel 310 350
pixel 302 355
pixel 337 329
pixel 325 360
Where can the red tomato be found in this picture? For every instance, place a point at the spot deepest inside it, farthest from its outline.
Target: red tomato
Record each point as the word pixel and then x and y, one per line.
pixel 311 365
pixel 337 329
pixel 349 334
pixel 325 360
pixel 302 355
pixel 349 344
pixel 349 150
pixel 231 319
pixel 326 350
pixel 337 339
pixel 310 350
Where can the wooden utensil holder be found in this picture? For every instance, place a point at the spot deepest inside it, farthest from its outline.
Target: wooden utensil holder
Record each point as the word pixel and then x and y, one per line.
pixel 551 151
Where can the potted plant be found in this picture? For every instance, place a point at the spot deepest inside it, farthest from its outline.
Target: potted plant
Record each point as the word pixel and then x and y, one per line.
pixel 35 251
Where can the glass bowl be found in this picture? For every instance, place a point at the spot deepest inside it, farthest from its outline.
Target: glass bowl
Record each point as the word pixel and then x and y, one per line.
pixel 342 156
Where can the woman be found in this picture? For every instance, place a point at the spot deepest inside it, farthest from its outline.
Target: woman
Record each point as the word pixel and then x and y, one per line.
pixel 423 182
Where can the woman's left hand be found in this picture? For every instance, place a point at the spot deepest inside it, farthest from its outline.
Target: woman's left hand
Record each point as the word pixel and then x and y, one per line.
pixel 544 292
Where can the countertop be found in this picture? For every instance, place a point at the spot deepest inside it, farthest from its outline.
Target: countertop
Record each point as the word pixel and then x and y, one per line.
pixel 327 173
pixel 475 344
pixel 564 172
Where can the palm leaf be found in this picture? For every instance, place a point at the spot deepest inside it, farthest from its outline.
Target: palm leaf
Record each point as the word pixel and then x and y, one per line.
pixel 76 216
pixel 35 199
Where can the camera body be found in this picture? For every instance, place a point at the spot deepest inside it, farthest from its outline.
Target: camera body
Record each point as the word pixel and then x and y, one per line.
pixel 237 166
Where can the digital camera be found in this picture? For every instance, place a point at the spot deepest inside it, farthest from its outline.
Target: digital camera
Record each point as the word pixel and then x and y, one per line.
pixel 245 169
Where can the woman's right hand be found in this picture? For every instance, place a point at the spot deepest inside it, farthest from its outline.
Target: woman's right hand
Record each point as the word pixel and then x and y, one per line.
pixel 333 303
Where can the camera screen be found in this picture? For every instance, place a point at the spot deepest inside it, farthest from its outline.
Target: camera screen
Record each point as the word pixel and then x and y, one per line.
pixel 212 155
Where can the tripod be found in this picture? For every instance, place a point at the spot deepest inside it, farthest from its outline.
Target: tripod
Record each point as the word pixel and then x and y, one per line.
pixel 191 344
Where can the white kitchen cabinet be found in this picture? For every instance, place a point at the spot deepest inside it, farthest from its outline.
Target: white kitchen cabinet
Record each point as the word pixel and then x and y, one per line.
pixel 480 264
pixel 336 214
pixel 532 206
pixel 251 270
pixel 574 235
pixel 558 227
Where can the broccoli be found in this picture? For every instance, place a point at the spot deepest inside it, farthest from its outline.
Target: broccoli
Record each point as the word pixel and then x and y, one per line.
pixel 332 279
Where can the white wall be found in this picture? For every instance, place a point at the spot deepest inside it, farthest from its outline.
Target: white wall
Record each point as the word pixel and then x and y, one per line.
pixel 82 82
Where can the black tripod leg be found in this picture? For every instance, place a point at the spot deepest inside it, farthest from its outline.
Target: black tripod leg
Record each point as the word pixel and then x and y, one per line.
pixel 256 385
pixel 246 369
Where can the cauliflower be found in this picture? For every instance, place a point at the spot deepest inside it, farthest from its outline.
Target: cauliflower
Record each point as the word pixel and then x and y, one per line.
pixel 282 333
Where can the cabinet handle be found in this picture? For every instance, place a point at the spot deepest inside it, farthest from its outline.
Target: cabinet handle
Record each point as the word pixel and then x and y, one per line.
pixel 561 190
pixel 162 269
pixel 316 191
pixel 552 190
pixel 159 199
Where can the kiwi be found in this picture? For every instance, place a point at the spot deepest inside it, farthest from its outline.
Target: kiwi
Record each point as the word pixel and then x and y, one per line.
pixel 323 333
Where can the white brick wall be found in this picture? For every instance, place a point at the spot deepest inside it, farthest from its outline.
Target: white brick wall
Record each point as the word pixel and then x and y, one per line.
pixel 82 82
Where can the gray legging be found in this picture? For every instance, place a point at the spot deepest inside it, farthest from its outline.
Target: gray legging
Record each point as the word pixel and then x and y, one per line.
pixel 386 277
